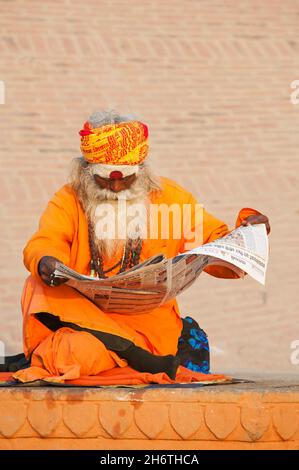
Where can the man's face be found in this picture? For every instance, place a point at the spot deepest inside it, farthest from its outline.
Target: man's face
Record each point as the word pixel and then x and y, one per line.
pixel 117 184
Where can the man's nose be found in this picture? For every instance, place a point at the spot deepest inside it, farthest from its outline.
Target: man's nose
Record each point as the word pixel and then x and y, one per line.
pixel 116 186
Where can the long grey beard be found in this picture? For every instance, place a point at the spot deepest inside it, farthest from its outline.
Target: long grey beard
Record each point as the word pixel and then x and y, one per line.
pixel 91 196
pixel 130 222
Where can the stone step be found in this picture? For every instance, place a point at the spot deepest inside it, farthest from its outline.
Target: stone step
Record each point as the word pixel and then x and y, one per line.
pixel 262 414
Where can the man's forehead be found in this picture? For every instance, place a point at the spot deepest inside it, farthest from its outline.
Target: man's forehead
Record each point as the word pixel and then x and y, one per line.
pixel 104 170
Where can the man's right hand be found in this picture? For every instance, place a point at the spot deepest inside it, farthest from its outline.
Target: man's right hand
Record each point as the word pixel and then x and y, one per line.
pixel 46 267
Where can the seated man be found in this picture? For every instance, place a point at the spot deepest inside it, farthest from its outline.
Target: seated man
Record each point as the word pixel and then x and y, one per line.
pixel 66 336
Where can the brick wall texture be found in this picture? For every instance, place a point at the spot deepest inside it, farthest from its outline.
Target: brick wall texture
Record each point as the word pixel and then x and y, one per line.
pixel 213 81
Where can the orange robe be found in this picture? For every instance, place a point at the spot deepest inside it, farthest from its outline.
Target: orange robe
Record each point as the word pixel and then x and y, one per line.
pixel 63 233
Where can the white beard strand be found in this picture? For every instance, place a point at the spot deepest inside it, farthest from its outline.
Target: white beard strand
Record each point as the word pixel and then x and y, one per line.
pixel 91 197
pixel 128 219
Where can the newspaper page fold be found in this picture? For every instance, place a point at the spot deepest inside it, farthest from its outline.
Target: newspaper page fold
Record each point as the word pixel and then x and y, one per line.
pixel 158 280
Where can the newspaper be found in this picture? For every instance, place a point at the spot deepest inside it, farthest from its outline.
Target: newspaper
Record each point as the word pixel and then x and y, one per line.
pixel 158 279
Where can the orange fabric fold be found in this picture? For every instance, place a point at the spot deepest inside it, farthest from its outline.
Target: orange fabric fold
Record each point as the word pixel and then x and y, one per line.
pixel 119 376
pixel 128 376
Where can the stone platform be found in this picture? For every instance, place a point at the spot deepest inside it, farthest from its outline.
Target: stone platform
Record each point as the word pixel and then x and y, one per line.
pixel 263 414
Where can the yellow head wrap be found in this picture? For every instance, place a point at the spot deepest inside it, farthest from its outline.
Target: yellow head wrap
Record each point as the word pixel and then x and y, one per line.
pixel 115 144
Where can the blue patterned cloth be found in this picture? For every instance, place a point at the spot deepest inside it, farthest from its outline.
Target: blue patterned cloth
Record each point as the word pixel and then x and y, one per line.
pixel 193 347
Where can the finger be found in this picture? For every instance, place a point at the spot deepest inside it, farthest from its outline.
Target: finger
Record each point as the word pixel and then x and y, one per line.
pixel 262 220
pixel 59 281
pixel 56 281
pixel 49 279
pixel 253 220
pixel 45 279
pixel 45 273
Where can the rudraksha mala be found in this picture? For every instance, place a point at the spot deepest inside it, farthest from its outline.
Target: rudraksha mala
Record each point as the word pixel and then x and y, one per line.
pixel 130 258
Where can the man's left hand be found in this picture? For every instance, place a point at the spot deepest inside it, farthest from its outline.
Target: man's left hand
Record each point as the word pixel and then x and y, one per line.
pixel 257 219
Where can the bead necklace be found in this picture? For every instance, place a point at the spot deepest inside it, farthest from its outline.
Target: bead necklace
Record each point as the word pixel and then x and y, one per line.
pixel 130 256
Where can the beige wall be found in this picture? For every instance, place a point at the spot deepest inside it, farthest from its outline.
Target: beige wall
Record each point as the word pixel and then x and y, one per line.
pixel 212 80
